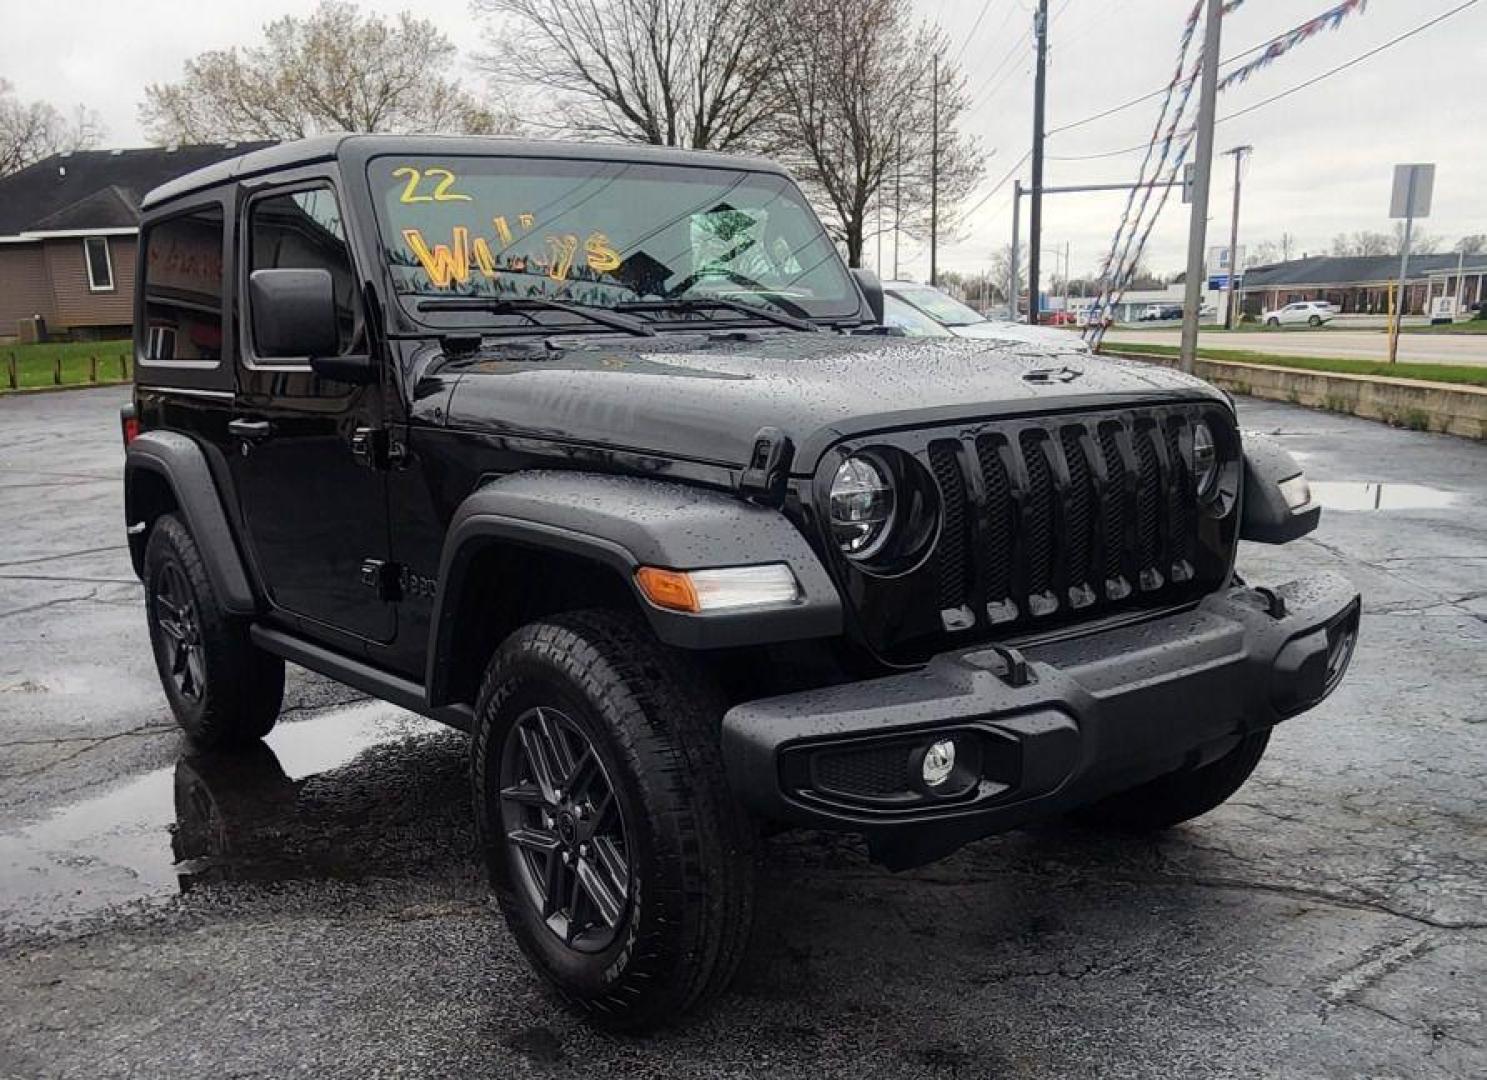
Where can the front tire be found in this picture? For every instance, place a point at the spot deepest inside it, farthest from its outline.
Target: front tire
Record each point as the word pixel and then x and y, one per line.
pixel 620 861
pixel 1272 321
pixel 1181 796
pixel 1314 322
pixel 225 692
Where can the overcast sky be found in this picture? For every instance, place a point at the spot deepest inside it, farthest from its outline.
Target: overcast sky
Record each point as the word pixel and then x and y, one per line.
pixel 1323 157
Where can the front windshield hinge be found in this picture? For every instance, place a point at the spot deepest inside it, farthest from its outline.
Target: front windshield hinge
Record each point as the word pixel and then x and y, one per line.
pixel 768 472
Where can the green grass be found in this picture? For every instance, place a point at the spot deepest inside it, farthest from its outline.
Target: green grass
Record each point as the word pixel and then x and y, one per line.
pixel 1475 326
pixel 35 365
pixel 1463 374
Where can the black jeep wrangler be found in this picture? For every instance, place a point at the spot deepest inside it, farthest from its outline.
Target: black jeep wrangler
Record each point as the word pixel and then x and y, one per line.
pixel 602 454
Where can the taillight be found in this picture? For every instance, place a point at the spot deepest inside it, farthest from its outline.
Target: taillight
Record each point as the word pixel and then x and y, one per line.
pixel 129 423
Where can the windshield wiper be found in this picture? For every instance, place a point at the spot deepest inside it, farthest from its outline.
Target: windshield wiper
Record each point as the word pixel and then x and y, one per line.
pixel 713 303
pixel 523 305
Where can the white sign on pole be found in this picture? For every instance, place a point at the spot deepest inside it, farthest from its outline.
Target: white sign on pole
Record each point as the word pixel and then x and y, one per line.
pixel 1413 187
pixel 1218 259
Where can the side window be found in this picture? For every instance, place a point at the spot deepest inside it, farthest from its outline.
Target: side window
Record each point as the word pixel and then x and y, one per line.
pixel 183 288
pixel 302 230
pixel 100 264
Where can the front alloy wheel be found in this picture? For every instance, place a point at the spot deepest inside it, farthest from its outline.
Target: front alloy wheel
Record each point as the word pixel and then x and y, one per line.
pixel 565 829
pixel 617 854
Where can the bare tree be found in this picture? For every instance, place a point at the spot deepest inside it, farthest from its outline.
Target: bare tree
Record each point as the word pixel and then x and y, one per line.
pixel 670 72
pixel 1421 242
pixel 1471 244
pixel 1362 243
pixel 336 70
pixel 855 79
pixel 30 131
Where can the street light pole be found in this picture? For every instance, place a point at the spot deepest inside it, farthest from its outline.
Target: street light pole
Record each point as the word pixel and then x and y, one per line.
pixel 1202 175
pixel 1230 315
pixel 1016 223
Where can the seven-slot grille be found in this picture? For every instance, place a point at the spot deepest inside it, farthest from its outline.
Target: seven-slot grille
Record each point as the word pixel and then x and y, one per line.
pixel 1045 518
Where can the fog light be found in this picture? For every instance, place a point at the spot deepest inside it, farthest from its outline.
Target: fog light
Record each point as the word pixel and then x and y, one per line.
pixel 939 763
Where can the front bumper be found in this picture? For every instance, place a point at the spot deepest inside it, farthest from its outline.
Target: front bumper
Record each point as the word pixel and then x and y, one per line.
pixel 1084 718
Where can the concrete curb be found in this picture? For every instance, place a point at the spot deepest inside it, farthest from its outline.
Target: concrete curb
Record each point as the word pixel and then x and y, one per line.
pixel 1410 403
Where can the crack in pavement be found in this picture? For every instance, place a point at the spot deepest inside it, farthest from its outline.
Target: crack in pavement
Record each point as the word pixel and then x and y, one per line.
pixel 53 577
pixel 64 555
pixel 92 744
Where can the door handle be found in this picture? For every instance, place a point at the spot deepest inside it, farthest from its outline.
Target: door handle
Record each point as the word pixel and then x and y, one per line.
pixel 250 430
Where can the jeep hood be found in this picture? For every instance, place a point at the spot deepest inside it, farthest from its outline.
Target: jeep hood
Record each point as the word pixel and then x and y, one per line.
pixel 705 398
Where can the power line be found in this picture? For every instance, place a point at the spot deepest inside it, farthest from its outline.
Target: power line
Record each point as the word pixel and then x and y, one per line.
pixel 972 32
pixel 1344 66
pixel 1162 89
pixel 1267 101
pixel 999 184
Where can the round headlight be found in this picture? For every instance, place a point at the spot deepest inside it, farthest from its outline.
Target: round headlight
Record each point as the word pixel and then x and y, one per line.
pixel 1205 461
pixel 861 507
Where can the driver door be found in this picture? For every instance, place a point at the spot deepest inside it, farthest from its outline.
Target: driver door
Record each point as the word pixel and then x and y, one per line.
pixel 316 511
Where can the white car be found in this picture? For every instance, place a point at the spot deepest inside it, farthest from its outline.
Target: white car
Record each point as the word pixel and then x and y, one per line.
pixel 923 311
pixel 1309 312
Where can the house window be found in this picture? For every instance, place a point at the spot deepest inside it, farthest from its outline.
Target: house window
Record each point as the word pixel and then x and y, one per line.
pixel 100 265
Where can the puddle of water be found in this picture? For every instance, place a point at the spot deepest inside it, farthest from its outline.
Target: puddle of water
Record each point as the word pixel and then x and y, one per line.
pixel 121 846
pixel 1361 495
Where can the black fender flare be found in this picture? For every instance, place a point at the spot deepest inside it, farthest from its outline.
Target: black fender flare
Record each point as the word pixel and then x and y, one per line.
pixel 182 464
pixel 626 522
pixel 1266 517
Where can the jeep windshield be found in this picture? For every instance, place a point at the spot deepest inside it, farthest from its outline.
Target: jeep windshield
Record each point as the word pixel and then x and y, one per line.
pixel 661 240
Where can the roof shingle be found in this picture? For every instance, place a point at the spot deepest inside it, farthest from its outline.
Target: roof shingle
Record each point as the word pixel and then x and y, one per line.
pixel 98 189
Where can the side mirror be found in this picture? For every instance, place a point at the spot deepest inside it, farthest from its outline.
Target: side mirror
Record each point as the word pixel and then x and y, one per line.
pixel 294 313
pixel 1278 506
pixel 872 292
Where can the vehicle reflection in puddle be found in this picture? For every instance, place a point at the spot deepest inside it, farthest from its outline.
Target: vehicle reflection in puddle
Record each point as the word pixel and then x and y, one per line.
pixel 209 817
pixel 1360 495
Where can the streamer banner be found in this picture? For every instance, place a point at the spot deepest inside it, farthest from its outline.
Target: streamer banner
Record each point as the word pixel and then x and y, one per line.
pixel 1328 20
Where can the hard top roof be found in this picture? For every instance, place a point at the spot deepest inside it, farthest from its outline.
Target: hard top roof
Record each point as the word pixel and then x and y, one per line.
pixel 360 148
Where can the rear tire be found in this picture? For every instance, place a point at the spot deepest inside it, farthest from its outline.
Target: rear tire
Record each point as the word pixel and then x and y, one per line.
pixel 225 692
pixel 633 830
pixel 1314 321
pixel 1180 796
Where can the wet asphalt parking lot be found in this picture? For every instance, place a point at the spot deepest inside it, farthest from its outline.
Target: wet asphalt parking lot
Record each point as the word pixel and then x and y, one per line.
pixel 315 909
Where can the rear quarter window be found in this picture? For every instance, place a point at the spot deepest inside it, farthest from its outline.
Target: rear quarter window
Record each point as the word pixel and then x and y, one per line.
pixel 183 261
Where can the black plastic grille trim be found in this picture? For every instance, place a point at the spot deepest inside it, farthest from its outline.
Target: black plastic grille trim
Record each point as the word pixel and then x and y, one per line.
pixel 1083 514
pixel 879 770
pixel 954 549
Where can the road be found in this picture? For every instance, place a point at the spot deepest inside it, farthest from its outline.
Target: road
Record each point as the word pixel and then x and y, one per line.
pixel 1348 344
pixel 315 910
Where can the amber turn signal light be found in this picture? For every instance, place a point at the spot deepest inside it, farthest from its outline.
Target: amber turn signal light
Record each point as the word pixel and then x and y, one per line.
pixel 719 589
pixel 670 589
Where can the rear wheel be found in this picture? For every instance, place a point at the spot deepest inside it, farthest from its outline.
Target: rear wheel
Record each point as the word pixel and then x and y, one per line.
pixel 1315 320
pixel 1180 796
pixel 225 692
pixel 622 864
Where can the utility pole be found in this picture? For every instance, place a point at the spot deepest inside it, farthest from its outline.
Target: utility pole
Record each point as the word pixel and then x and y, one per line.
pixel 1035 216
pixel 1016 223
pixel 1230 314
pixel 898 195
pixel 934 170
pixel 878 198
pixel 1202 175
